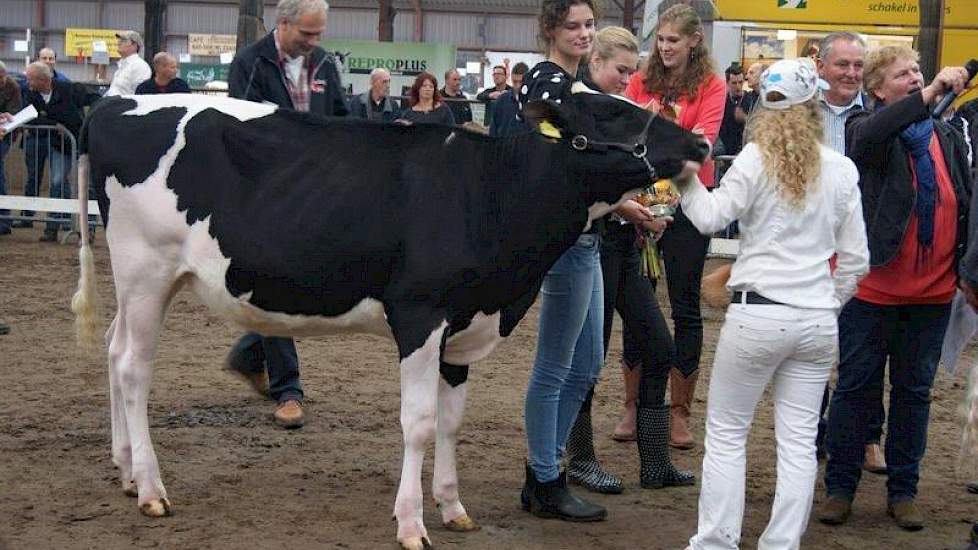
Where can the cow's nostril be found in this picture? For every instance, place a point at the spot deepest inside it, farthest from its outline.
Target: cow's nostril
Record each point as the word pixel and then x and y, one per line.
pixel 704 148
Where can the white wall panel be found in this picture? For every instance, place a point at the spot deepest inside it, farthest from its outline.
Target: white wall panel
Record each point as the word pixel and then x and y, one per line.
pixel 59 15
pixel 17 13
pixel 195 18
pixel 452 29
pixel 123 15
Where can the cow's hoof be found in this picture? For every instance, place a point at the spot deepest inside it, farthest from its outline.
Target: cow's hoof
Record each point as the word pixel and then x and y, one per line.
pixel 156 508
pixel 129 489
pixel 416 543
pixel 462 524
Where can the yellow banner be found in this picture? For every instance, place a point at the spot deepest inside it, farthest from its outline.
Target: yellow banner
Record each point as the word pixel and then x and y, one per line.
pixel 79 41
pixel 958 13
pixel 211 44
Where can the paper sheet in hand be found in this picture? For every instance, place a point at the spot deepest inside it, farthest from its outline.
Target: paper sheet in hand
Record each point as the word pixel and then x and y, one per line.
pixel 25 115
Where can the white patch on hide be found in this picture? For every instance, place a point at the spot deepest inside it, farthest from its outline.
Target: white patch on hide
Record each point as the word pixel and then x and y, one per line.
pixel 474 343
pixel 195 103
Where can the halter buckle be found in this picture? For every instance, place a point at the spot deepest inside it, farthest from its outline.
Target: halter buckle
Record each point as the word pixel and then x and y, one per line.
pixel 579 142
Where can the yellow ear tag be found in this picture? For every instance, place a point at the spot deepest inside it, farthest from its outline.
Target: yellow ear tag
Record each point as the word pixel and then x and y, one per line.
pixel 549 130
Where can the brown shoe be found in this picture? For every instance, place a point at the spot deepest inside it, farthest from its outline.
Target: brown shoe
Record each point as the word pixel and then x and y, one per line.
pixel 874 462
pixel 625 430
pixel 906 515
pixel 288 414
pixel 258 381
pixel 681 389
pixel 835 510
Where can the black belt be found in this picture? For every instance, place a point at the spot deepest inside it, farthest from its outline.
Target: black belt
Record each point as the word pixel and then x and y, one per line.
pixel 753 298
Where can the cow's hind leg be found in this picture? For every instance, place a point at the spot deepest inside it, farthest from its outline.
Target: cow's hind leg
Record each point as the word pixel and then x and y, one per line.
pixel 121 447
pixel 451 408
pixel 138 322
pixel 419 401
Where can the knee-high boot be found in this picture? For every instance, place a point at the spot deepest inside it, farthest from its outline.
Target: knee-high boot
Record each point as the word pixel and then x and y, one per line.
pixel 681 389
pixel 653 450
pixel 583 467
pixel 625 430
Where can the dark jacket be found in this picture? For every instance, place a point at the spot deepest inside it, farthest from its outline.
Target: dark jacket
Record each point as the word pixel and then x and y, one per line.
pixel 66 108
pixel 255 75
pixel 361 102
pixel 460 106
pixel 484 97
pixel 885 178
pixel 506 120
pixel 175 86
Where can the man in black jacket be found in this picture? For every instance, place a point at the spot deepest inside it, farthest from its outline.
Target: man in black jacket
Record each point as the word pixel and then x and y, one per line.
pixel 289 69
pixel 916 192
pixel 57 103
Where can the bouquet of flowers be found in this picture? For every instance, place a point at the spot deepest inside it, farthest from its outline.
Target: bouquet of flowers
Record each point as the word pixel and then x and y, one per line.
pixel 659 198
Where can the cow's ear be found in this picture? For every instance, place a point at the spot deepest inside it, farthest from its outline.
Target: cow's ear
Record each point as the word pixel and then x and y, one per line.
pixel 545 117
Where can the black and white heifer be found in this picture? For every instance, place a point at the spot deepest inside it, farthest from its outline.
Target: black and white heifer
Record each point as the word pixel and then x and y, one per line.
pixel 292 225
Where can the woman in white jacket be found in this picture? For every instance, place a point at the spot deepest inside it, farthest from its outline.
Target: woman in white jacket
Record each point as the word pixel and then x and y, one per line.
pixel 799 205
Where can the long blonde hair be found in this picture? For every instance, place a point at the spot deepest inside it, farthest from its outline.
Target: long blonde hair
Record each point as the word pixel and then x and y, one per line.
pixel 700 67
pixel 610 39
pixel 789 141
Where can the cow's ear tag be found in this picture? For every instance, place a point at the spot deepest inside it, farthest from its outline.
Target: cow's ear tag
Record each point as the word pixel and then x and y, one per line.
pixel 548 129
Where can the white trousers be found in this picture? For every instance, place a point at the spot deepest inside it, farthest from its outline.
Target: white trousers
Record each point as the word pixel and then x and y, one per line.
pixel 796 349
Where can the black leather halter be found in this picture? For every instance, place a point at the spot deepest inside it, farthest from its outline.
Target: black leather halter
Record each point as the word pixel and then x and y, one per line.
pixel 638 149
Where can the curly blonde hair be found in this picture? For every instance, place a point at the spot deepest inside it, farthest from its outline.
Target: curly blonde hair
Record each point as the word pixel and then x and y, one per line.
pixel 656 77
pixel 789 141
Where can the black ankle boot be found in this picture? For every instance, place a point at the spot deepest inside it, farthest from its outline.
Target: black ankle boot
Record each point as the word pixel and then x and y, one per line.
pixel 553 500
pixel 583 467
pixel 652 433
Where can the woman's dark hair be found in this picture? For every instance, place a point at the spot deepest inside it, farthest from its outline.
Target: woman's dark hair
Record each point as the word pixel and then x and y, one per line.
pixel 415 94
pixel 553 13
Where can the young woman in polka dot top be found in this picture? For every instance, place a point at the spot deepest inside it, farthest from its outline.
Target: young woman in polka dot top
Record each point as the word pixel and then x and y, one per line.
pixel 678 82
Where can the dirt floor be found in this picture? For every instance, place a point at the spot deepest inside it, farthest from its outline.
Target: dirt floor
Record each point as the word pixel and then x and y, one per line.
pixel 236 481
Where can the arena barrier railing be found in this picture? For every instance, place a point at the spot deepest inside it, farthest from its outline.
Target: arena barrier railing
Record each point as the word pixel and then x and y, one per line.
pixel 723 245
pixel 43 158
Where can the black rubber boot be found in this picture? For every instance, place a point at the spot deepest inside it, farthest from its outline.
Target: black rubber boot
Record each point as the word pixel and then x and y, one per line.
pixel 583 467
pixel 552 500
pixel 652 434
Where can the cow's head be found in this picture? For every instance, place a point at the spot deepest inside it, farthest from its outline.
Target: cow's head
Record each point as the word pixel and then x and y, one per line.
pixel 618 146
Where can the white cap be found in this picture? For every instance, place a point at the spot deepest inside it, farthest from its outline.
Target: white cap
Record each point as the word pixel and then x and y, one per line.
pixel 796 80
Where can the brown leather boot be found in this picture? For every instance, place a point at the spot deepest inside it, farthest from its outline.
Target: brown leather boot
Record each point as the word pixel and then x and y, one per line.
pixel 681 396
pixel 874 462
pixel 906 515
pixel 625 430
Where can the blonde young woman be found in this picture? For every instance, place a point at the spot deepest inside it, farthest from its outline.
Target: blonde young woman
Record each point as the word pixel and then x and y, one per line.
pixel 614 58
pixel 798 204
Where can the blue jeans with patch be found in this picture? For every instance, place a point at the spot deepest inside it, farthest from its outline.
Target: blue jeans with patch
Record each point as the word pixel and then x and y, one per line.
pixel 276 354
pixel 910 336
pixel 570 353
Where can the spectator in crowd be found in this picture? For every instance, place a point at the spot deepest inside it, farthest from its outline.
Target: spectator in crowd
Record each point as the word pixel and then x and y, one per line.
pixel 841 66
pixel 678 82
pixel 753 79
pixel 288 68
pixel 796 211
pixel 614 58
pixel 425 103
pixel 506 120
pixel 50 58
pixel 731 135
pixel 376 103
pixel 57 103
pixel 133 69
pixel 165 80
pixel 489 95
pixel 569 349
pixel 916 187
pixel 459 104
pixel 36 146
pixel 10 102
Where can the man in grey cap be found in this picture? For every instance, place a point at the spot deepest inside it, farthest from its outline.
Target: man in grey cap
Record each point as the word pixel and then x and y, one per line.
pixel 132 68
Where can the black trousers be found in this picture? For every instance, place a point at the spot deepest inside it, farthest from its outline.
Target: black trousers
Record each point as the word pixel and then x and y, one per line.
pixel 632 295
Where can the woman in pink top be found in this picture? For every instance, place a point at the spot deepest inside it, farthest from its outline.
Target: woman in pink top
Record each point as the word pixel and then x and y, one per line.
pixel 678 82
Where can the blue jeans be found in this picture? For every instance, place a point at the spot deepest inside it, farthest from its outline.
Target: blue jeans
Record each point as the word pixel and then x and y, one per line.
pixel 569 353
pixel 4 223
pixel 276 354
pixel 910 336
pixel 36 148
pixel 60 186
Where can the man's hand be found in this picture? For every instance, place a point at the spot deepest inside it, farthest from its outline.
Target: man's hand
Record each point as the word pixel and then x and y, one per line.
pixel 495 95
pixel 4 118
pixel 969 295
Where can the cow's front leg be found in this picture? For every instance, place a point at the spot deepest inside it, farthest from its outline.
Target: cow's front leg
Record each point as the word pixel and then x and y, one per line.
pixel 121 447
pixel 419 400
pixel 444 485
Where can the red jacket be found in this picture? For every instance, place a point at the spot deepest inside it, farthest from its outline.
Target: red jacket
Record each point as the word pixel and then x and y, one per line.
pixel 704 111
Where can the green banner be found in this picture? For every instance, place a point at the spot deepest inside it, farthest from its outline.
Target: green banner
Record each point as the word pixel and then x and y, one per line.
pixel 199 75
pixel 400 58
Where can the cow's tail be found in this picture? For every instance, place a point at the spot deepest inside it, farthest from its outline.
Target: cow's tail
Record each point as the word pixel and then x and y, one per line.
pixel 84 304
pixel 969 437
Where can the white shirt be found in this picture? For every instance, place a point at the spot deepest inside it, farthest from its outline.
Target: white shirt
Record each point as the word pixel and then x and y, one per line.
pixel 834 120
pixel 132 71
pixel 784 252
